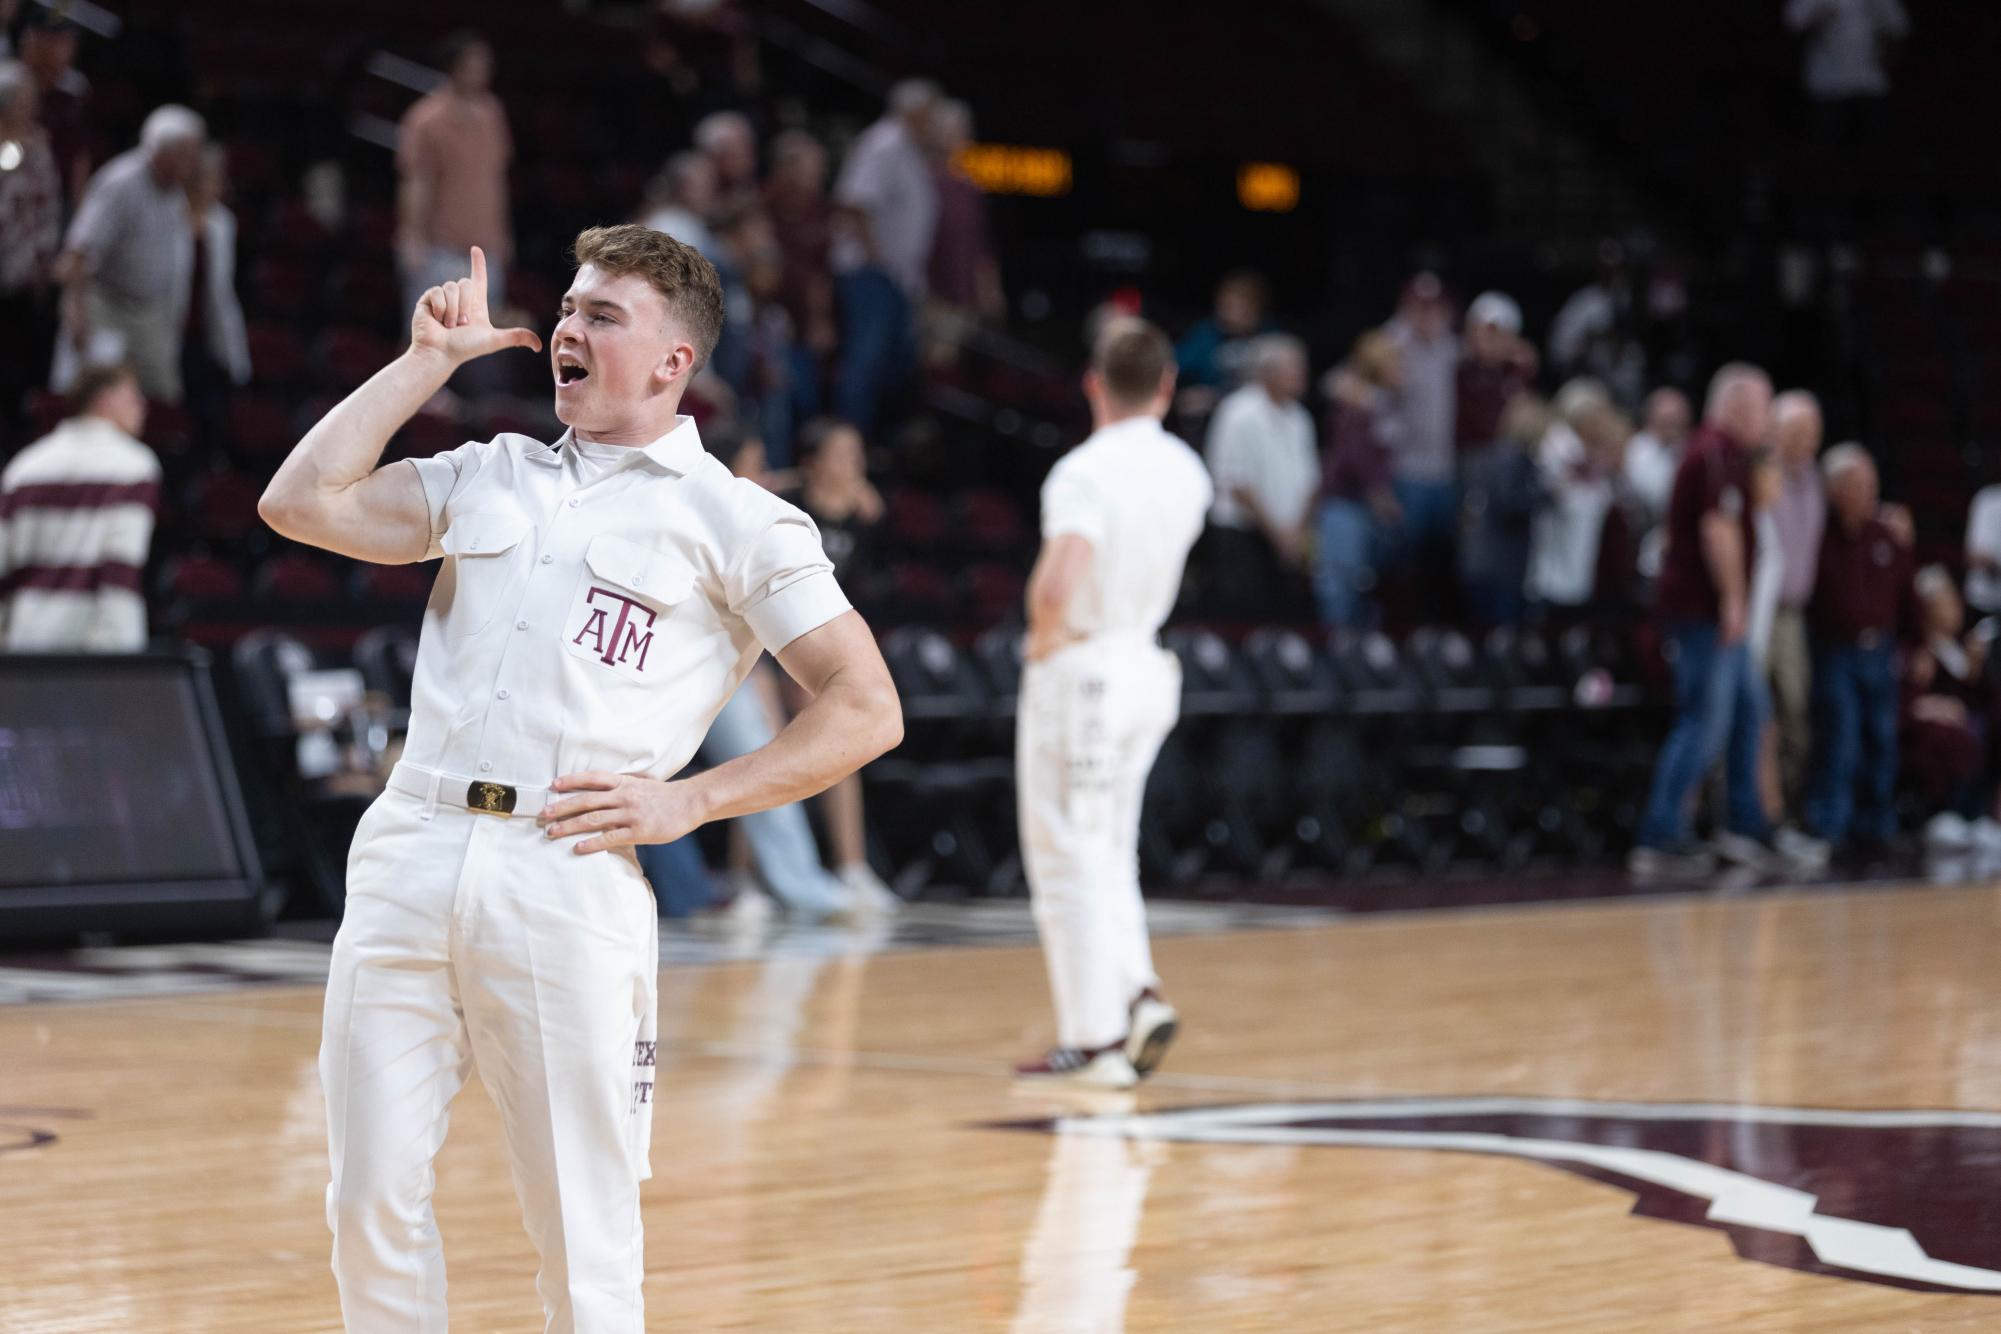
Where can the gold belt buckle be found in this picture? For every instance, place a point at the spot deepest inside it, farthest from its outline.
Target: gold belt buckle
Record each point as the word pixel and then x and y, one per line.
pixel 490 798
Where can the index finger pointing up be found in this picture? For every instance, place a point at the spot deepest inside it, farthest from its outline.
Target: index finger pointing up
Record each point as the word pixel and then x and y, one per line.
pixel 478 293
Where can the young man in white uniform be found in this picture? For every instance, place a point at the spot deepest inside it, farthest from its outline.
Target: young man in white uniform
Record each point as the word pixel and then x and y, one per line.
pixel 1098 696
pixel 599 599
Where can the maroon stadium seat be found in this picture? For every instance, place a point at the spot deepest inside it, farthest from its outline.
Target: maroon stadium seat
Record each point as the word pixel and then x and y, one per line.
pixel 198 579
pixel 994 590
pixel 350 355
pixel 988 521
pixel 222 507
pixel 916 519
pixel 260 427
pixel 921 592
pixel 276 355
pixel 296 580
pixel 295 231
pixel 393 585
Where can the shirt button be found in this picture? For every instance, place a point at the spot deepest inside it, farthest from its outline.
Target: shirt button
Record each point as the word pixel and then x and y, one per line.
pixel 486 766
pixel 546 558
pixel 637 581
pixel 500 694
pixel 574 502
pixel 473 545
pixel 521 625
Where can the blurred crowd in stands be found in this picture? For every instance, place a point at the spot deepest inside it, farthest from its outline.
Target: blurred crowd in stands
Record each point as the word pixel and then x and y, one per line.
pixel 1443 486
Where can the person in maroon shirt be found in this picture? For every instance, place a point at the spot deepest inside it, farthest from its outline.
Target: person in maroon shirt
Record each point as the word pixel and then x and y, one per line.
pixel 1358 504
pixel 1861 599
pixel 1948 724
pixel 1499 364
pixel 1702 603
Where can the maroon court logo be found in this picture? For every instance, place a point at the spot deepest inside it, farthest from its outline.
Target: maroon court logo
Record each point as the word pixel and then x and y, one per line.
pixel 1903 1198
pixel 617 630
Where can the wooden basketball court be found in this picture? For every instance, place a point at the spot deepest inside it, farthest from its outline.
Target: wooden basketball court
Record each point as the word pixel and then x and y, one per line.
pixel 1416 1122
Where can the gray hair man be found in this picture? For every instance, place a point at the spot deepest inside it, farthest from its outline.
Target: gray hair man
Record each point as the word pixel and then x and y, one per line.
pixel 127 265
pixel 1861 593
pixel 1266 467
pixel 1702 600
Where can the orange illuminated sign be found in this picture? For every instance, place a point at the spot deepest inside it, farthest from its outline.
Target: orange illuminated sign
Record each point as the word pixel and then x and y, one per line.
pixel 1011 169
pixel 1268 187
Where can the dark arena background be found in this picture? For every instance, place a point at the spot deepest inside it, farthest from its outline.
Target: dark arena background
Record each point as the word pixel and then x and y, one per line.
pixel 1574 862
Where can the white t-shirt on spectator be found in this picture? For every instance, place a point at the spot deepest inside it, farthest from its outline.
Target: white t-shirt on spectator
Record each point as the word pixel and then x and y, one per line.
pixel 1767 575
pixel 1650 466
pixel 1983 538
pixel 684 225
pixel 888 178
pixel 1844 55
pixel 1564 536
pixel 1137 494
pixel 1266 448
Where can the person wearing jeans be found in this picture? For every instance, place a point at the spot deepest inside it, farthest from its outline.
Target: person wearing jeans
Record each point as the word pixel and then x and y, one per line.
pixel 1855 706
pixel 1358 506
pixel 1861 599
pixel 1702 600
pixel 1719 702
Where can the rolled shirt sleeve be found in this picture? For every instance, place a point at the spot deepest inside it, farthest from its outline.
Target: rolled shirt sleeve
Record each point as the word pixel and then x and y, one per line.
pixel 445 476
pixel 783 586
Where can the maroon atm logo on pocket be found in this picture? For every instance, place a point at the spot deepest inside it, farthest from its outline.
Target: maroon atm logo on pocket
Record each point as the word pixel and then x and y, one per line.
pixel 1901 1198
pixel 617 630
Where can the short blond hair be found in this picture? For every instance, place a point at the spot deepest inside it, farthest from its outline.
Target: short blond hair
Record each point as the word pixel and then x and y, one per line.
pixel 687 282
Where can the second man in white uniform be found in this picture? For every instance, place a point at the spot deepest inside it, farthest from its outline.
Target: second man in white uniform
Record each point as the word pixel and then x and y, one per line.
pixel 1098 697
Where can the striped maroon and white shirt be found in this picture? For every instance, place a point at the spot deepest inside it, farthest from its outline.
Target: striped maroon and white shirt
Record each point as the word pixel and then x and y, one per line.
pixel 76 519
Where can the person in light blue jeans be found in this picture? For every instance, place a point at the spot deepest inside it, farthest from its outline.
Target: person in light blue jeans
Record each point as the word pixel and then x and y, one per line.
pixel 781 841
pixel 1359 514
pixel 1719 702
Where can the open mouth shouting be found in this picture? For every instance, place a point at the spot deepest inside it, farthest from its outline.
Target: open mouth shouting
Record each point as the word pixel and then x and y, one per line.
pixel 570 370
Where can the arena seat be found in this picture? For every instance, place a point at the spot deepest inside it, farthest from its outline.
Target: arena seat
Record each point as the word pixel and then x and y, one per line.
pixel 934 679
pixel 998 653
pixel 296 581
pixel 277 358
pixel 387 660
pixel 1372 672
pixel 1294 677
pixel 260 429
pixel 391 585
pixel 196 580
pixel 1214 680
pixel 265 662
pixel 222 507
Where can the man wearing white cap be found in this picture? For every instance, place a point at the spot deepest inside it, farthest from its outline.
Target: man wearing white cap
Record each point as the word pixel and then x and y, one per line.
pixel 1497 480
pixel 127 266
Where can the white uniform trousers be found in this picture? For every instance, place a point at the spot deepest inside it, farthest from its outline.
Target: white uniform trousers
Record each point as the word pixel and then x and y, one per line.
pixel 472 941
pixel 1091 719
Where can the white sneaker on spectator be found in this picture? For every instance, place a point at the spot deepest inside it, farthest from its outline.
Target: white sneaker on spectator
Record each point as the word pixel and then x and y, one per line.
pixel 1985 837
pixel 749 905
pixel 1949 832
pixel 1745 851
pixel 1688 862
pixel 1803 850
pixel 866 892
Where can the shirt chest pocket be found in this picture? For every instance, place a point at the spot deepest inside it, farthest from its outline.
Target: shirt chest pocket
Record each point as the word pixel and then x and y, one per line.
pixel 485 551
pixel 622 605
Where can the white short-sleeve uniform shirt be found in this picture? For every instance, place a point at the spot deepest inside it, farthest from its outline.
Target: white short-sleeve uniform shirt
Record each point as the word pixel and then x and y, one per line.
pixel 598 604
pixel 1138 494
